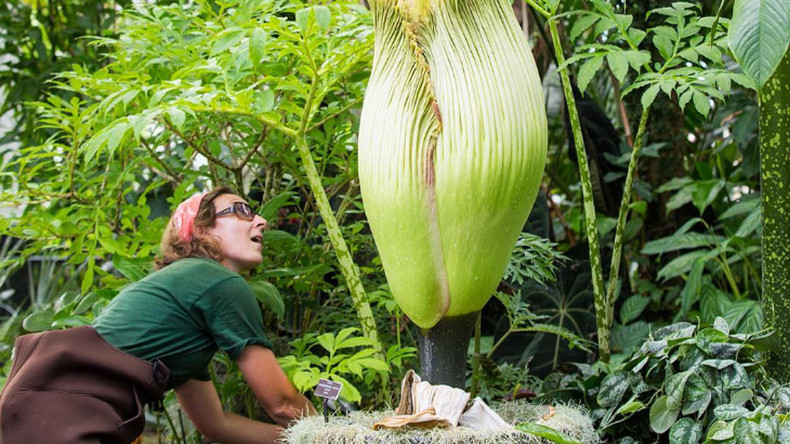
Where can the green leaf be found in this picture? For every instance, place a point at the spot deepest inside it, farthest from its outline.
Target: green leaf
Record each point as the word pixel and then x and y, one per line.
pixel 748 432
pixel 750 224
pixel 327 341
pixel 701 103
pixel 661 416
pixel 227 39
pixel 728 412
pixel 257 46
pixel 631 407
pixel 664 45
pixel 741 397
pixel 696 396
pixel 674 387
pixel 545 432
pixel 319 13
pixel 263 101
pixel 268 295
pixel 682 242
pixel 685 431
pixel 613 388
pixel 588 70
pixel 132 268
pixel 38 321
pixel 633 307
pixel 759 36
pixel 618 63
pixel 650 95
pixel 348 392
pixel 582 24
pixel 87 279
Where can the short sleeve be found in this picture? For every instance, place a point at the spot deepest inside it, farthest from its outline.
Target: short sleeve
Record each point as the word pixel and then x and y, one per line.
pixel 232 316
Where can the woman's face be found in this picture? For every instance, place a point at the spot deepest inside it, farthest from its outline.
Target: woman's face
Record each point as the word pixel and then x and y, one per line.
pixel 240 240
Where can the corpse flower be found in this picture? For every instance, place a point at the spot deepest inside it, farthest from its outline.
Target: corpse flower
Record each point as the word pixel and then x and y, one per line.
pixel 452 146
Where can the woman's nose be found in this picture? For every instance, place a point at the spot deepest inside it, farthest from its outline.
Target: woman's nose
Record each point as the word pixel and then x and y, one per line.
pixel 259 220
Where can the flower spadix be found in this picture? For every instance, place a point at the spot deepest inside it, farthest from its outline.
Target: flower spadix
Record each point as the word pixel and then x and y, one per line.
pixel 452 146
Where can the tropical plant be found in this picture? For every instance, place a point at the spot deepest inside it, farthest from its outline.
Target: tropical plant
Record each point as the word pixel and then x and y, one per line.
pixel 696 384
pixel 446 200
pixel 760 38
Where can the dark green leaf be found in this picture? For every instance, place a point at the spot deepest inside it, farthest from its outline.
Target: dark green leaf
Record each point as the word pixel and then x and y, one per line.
pixel 633 307
pixel 685 431
pixel 613 387
pixel 728 412
pixel 268 295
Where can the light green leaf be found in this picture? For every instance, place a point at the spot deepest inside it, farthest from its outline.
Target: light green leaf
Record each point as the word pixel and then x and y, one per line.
pixel 327 341
pixel 748 432
pixel 701 103
pixel 728 412
pixel 664 45
pixel 177 118
pixel 588 70
pixel 759 36
pixel 674 389
pixel 227 39
pixel 133 268
pixel 263 101
pixel 618 63
pixel 257 46
pixel 661 416
pixel 38 321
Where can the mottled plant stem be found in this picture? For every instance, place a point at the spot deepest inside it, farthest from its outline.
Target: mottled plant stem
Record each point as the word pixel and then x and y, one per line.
pixel 617 250
pixel 346 262
pixel 596 268
pixel 774 185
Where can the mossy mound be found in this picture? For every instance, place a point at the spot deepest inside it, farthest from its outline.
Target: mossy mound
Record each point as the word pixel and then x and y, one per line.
pixel 357 428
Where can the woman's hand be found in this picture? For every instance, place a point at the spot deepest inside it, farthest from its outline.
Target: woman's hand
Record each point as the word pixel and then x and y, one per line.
pixel 278 397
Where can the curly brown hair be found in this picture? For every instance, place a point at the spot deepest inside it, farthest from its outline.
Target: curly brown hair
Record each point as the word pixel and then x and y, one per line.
pixel 202 244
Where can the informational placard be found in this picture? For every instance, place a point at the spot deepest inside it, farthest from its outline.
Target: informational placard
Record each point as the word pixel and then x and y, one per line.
pixel 328 389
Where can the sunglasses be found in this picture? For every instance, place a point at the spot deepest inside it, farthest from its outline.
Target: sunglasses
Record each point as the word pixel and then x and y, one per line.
pixel 242 210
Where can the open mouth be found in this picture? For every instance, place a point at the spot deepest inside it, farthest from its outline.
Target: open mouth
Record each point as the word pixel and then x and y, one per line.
pixel 257 239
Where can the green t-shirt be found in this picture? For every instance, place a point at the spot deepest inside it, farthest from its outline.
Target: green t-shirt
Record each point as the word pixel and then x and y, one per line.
pixel 182 314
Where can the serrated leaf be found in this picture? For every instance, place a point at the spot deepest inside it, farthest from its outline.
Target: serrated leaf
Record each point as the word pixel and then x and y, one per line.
pixel 649 96
pixel 759 36
pixel 582 24
pixel 587 71
pixel 257 46
pixel 664 45
pixel 618 63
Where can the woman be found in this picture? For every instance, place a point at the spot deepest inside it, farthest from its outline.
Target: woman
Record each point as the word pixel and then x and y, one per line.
pixel 87 384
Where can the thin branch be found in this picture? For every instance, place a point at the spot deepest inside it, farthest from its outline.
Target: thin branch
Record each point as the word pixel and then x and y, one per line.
pixel 170 174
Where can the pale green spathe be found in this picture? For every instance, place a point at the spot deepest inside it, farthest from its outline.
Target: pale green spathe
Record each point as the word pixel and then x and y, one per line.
pixel 452 146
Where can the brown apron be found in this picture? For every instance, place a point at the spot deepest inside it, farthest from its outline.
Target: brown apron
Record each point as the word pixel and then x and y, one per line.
pixel 71 386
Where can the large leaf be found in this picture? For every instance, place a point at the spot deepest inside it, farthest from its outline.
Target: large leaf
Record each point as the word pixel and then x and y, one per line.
pixel 685 431
pixel 661 416
pixel 268 295
pixel 759 36
pixel 612 389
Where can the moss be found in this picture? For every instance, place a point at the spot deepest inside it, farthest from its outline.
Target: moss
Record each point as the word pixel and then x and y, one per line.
pixel 357 428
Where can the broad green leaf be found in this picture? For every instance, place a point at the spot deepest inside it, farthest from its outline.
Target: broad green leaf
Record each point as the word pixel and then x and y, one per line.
pixel 545 432
pixel 631 407
pixel 320 14
pixel 633 307
pixel 685 431
pixel 706 192
pixel 263 101
pixel 741 397
pixel 720 431
pixel 674 389
pixel 696 396
pixel 701 103
pixel 327 341
pixel 664 45
pixel 728 412
pixel 348 392
pixel 613 387
pixel 587 71
pixel 268 295
pixel 748 432
pixel 759 36
pixel 176 117
pixel 661 416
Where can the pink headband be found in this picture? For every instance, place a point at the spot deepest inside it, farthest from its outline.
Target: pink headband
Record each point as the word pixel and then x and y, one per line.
pixel 184 216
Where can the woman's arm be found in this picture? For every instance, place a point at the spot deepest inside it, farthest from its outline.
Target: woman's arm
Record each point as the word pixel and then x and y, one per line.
pixel 201 403
pixel 267 380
